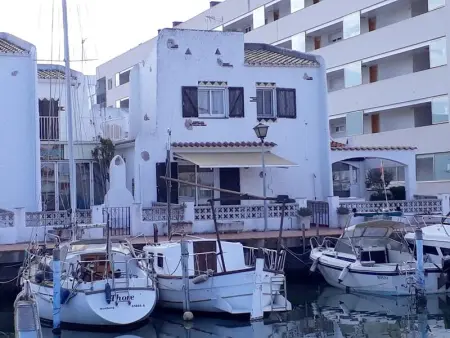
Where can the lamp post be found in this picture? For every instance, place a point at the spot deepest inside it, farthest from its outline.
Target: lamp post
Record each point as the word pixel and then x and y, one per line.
pixel 261 133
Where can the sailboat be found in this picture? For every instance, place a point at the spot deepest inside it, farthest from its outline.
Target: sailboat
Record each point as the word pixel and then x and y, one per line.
pixel 103 282
pixel 210 275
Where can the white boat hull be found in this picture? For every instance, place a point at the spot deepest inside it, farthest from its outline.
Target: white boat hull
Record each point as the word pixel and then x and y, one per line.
pixel 385 279
pixel 229 292
pixel 89 307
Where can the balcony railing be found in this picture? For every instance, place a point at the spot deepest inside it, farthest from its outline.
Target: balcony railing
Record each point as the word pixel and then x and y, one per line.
pixel 49 128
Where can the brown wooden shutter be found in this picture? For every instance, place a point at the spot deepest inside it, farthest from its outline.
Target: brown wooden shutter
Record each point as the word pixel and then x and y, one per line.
pixel 189 97
pixel 236 101
pixel 286 103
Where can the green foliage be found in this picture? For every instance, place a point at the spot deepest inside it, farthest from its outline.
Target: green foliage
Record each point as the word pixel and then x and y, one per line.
pixel 103 155
pixel 304 212
pixel 398 193
pixel 342 210
pixel 374 179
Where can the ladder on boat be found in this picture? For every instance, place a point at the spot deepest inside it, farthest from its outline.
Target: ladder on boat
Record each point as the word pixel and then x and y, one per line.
pixel 122 283
pixel 278 288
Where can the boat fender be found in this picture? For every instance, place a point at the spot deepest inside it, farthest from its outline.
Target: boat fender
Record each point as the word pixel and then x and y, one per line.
pixel 64 295
pixel 314 265
pixel 200 279
pixel 108 293
pixel 343 274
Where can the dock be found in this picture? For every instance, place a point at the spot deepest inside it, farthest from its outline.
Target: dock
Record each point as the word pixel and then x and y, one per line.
pixel 12 255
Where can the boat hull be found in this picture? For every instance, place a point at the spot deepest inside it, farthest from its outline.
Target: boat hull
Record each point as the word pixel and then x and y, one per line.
pixel 395 280
pixel 232 293
pixel 89 307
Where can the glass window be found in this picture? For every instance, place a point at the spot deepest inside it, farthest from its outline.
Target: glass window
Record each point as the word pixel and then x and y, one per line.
pixel 186 192
pixel 100 178
pixel 48 186
pixel 296 5
pixel 352 25
pixel 438 52
pixel 259 17
pixel 264 103
pixel 440 109
pixel 205 176
pixel 433 4
pixel 424 167
pixel 64 186
pixel 354 123
pixel 211 102
pixel 299 41
pixel 442 166
pixel 352 74
pixel 83 179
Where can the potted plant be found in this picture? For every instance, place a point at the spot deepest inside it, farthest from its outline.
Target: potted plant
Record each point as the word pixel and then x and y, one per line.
pixel 304 217
pixel 343 213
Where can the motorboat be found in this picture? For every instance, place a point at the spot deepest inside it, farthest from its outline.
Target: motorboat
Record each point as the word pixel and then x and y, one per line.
pixel 374 257
pixel 221 276
pixel 101 284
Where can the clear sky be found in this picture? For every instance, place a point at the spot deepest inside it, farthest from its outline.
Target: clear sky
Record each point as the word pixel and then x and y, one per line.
pixel 110 27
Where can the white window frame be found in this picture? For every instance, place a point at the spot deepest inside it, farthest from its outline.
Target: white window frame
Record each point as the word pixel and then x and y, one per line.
pixel 274 104
pixel 224 92
pixel 117 105
pixel 117 77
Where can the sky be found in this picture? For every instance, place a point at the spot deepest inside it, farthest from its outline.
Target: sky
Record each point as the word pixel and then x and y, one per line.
pixel 108 27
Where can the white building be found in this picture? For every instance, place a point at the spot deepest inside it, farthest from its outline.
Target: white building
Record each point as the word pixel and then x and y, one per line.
pixel 19 150
pixel 211 89
pixel 87 126
pixel 386 71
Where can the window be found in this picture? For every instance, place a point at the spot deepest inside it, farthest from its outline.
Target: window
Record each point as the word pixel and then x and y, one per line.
pixel 123 77
pixel 109 84
pixel 264 103
pixel 354 123
pixel 211 102
pixel 433 167
pixel 339 129
pixel 123 103
pixel 352 25
pixel 440 109
pixel 236 101
pixel 286 103
pixel 194 174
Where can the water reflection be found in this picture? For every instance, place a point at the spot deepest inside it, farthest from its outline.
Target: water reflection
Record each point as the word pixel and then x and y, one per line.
pixel 326 312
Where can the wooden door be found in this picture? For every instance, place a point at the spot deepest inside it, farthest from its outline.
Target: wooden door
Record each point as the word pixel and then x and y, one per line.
pixel 316 42
pixel 205 256
pixel 373 73
pixel 375 119
pixel 372 24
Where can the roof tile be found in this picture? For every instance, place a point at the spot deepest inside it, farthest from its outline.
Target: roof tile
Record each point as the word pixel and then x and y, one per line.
pixel 337 146
pixel 259 54
pixel 11 48
pixel 221 144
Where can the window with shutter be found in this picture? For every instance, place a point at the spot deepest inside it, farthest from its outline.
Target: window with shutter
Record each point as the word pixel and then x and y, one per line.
pixel 286 103
pixel 236 101
pixel 189 99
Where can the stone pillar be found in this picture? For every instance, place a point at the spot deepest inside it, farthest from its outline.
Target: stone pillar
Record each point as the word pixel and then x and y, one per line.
pixel 189 212
pixel 21 233
pixel 410 180
pixel 445 200
pixel 136 220
pixel 97 214
pixel 333 204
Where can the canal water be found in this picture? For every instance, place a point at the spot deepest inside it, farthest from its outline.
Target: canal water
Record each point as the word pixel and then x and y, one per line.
pixel 319 311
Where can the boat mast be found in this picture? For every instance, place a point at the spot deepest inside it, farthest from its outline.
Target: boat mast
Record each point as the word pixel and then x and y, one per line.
pixel 68 78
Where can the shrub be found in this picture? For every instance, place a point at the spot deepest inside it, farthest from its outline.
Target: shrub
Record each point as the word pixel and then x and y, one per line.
pixel 304 212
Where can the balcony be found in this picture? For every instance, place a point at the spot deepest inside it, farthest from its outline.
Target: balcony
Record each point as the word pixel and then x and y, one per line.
pixel 49 128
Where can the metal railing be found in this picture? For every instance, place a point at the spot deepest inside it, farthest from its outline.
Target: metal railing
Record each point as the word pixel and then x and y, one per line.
pixel 272 260
pixel 49 128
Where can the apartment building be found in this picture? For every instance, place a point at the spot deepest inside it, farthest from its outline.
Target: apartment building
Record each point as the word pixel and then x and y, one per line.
pixel 387 73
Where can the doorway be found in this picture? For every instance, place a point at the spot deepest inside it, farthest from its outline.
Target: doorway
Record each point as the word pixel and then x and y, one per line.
pixel 230 180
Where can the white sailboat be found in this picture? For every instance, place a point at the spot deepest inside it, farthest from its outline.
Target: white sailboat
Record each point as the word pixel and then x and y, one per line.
pixel 373 257
pixel 102 281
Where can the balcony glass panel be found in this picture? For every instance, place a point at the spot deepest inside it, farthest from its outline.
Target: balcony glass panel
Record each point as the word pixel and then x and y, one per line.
pixel 433 4
pixel 438 52
pixel 354 123
pixel 352 25
pixel 259 17
pixel 297 5
pixel 299 41
pixel 440 109
pixel 352 74
pixel 442 166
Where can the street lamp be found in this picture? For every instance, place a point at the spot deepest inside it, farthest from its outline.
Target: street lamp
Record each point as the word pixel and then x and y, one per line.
pixel 261 133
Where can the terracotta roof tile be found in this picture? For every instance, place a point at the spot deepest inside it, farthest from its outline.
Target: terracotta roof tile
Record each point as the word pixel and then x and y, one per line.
pixel 337 146
pixel 260 54
pixel 221 144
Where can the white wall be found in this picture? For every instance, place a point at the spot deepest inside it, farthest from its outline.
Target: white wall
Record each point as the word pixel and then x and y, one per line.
pixel 19 138
pixel 304 140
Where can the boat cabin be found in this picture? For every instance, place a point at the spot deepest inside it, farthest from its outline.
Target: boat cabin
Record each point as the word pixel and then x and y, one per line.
pixel 436 242
pixel 204 257
pixel 374 242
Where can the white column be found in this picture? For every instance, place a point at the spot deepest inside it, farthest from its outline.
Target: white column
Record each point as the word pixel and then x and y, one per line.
pixel 333 204
pixel 136 219
pixel 410 180
pixel 445 198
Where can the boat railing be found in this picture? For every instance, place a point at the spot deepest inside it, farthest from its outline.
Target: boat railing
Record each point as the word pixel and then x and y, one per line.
pixel 272 260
